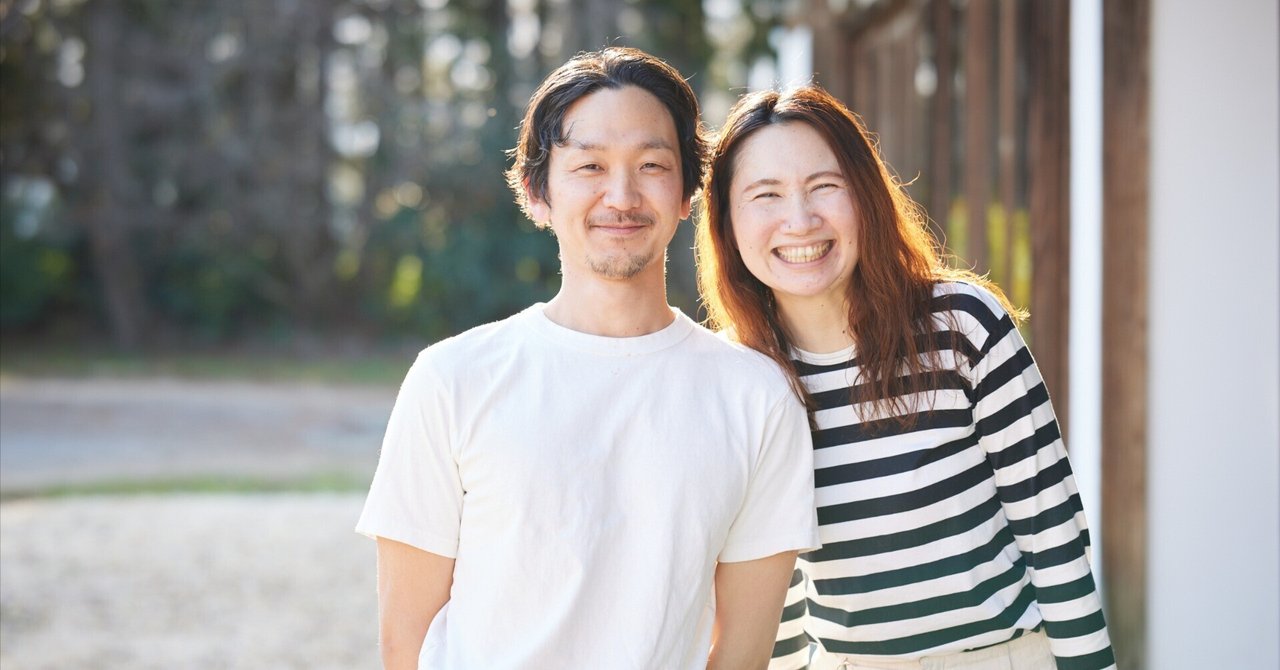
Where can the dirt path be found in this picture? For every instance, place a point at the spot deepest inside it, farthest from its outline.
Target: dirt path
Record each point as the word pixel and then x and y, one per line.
pixel 55 431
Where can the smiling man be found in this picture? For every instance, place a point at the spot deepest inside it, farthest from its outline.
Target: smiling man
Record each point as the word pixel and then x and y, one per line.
pixel 595 482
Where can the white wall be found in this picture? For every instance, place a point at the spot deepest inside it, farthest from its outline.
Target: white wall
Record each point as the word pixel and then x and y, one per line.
pixel 1214 432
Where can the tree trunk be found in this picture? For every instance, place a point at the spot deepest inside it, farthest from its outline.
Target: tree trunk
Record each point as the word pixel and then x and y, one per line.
pixel 105 215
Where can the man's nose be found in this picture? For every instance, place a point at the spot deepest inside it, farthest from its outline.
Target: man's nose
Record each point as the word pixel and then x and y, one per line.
pixel 621 192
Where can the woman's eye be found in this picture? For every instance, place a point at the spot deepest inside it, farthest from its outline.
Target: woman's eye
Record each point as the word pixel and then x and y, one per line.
pixel 589 167
pixel 765 195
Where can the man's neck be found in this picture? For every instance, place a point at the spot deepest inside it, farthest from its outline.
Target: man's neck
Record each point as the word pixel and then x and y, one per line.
pixel 612 308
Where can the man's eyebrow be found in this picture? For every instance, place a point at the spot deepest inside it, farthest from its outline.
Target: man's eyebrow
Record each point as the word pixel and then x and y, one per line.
pixel 656 143
pixel 580 145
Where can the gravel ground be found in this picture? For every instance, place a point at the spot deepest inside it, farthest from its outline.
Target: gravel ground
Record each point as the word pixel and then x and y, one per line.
pixel 186 581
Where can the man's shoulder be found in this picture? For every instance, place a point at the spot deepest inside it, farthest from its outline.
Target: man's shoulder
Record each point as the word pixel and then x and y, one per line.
pixel 735 361
pixel 470 346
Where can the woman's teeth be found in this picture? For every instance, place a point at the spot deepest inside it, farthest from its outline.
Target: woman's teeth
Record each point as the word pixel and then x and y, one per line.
pixel 804 254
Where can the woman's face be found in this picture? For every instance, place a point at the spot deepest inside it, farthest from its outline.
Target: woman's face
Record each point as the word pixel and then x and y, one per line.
pixel 793 216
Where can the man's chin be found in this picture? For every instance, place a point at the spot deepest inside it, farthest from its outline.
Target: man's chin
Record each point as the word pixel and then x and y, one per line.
pixel 620 267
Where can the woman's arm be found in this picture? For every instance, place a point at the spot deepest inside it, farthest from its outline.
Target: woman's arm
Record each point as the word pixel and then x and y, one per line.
pixel 1017 429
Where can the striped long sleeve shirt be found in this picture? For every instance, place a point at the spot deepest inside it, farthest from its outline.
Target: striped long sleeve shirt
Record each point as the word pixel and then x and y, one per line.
pixel 960 531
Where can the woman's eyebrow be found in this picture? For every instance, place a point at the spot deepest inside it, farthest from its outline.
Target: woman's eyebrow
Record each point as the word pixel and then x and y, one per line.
pixel 767 181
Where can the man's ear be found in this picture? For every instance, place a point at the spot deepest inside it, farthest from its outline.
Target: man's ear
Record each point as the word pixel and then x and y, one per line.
pixel 686 208
pixel 539 209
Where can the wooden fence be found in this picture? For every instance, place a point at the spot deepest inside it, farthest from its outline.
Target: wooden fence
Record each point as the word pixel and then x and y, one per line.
pixel 971 100
pixel 970 103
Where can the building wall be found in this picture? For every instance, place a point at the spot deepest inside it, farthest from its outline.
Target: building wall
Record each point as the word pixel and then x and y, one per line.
pixel 1214 381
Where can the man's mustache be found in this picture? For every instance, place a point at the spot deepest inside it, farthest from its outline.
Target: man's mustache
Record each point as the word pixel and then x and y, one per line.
pixel 621 217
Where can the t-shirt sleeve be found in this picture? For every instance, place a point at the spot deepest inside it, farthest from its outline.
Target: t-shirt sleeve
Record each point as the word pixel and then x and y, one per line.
pixel 1017 429
pixel 778 512
pixel 416 494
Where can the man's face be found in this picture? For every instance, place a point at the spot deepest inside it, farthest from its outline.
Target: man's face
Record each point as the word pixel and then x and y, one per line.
pixel 614 189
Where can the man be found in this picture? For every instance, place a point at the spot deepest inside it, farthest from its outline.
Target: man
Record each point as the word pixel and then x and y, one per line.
pixel 563 488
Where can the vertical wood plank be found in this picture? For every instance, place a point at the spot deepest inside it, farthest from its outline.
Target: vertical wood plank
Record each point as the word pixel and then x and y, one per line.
pixel 913 108
pixel 1007 142
pixel 830 50
pixel 1048 173
pixel 940 188
pixel 883 102
pixel 868 82
pixel 977 124
pixel 1124 323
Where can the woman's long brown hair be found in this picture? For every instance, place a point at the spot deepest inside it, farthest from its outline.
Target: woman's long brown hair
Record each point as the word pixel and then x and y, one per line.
pixel 899 261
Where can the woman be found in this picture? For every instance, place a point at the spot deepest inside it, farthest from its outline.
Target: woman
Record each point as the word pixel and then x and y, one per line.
pixel 953 535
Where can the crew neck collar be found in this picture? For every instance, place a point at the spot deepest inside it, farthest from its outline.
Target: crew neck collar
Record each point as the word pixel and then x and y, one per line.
pixel 679 328
pixel 840 356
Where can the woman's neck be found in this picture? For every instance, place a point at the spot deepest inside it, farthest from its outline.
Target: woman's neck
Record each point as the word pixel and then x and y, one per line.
pixel 818 325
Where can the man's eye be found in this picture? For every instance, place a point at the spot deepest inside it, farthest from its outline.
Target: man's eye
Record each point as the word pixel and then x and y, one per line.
pixel 589 167
pixel 653 166
pixel 765 195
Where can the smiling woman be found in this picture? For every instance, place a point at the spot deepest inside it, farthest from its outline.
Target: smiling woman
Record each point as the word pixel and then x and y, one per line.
pixel 794 221
pixel 952 532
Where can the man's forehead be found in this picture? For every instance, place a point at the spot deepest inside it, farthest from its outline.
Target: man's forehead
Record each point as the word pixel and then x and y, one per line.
pixel 614 118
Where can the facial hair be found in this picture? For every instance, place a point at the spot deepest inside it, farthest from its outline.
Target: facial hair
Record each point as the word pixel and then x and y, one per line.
pixel 621 266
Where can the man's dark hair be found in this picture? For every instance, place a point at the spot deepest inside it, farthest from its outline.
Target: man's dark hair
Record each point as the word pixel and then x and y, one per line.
pixel 586 73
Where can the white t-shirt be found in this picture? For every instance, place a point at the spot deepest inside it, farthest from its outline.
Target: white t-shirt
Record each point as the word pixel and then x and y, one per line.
pixel 587 486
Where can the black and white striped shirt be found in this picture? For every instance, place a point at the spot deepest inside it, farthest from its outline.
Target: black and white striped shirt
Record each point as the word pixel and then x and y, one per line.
pixel 961 531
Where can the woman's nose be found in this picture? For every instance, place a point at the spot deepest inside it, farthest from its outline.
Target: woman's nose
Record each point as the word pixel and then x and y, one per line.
pixel 800 217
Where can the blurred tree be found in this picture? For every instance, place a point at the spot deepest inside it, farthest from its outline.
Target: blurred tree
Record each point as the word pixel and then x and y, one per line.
pixel 107 194
pixel 221 170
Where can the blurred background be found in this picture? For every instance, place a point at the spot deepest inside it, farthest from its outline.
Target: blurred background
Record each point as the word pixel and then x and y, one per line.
pixel 227 227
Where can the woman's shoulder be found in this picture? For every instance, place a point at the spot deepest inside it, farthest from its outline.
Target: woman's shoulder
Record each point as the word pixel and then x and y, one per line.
pixel 970 297
pixel 973 310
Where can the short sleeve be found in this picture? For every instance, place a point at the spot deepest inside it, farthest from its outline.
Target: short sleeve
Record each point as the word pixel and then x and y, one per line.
pixel 778 512
pixel 416 494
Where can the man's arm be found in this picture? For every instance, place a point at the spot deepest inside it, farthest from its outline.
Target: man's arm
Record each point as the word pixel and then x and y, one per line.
pixel 412 587
pixel 749 597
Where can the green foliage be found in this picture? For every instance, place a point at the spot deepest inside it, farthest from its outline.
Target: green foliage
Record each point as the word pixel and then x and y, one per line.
pixel 37 267
pixel 208 290
pixel 241 170
pixel 435 278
